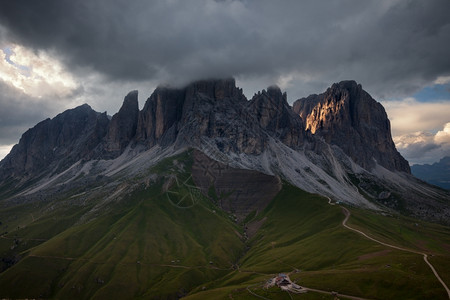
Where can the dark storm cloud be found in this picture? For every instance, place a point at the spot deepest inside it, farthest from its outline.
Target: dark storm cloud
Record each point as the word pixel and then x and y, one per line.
pixel 425 152
pixel 392 47
pixel 419 150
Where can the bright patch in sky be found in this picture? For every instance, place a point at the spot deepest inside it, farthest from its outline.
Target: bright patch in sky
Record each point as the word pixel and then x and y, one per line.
pixel 443 136
pixel 424 147
pixel 433 93
pixel 4 150
pixel 411 115
pixel 36 74
pixel 420 130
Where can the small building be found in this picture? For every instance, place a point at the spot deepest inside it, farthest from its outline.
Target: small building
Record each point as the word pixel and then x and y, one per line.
pixel 282 280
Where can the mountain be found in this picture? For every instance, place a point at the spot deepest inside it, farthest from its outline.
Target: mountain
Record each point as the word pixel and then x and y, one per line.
pixel 337 144
pixel 205 192
pixel 55 144
pixel 347 116
pixel 122 127
pixel 437 173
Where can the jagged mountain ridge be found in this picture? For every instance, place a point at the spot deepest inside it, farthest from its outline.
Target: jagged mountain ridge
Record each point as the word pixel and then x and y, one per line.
pixel 437 173
pixel 169 111
pixel 350 157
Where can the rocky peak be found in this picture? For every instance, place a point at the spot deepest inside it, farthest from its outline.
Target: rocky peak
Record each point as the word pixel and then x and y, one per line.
pixel 54 144
pixel 347 116
pixel 157 120
pixel 274 91
pixel 214 89
pixel 130 100
pixel 122 127
pixel 217 110
pixel 272 97
pixel 346 85
pixel 275 116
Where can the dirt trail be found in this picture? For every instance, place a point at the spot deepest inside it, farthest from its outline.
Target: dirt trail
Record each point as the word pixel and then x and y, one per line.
pixel 425 256
pixel 336 294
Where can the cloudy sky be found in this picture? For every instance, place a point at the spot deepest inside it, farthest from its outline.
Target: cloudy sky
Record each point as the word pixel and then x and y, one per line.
pixel 57 54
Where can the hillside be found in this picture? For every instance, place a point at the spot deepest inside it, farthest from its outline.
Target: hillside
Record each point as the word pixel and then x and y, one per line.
pixel 167 240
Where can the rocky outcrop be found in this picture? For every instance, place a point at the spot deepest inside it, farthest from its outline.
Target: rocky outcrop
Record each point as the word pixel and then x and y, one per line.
pixel 236 191
pixel 218 89
pixel 276 117
pixel 122 127
pixel 210 108
pixel 217 110
pixel 347 116
pixel 157 122
pixel 55 144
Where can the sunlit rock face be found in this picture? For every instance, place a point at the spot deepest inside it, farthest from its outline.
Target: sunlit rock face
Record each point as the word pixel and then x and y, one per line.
pixel 347 116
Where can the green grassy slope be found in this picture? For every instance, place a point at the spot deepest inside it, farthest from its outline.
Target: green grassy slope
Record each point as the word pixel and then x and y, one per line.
pixel 153 243
pixel 167 240
pixel 303 236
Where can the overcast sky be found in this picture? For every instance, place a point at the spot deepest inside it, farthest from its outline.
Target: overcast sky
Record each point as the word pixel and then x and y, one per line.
pixel 57 54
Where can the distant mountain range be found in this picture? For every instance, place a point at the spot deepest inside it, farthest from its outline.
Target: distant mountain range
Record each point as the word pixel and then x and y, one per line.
pixel 437 173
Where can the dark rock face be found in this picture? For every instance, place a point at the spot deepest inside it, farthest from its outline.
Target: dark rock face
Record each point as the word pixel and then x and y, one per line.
pixel 236 191
pixel 347 116
pixel 218 110
pixel 215 89
pixel 274 115
pixel 158 119
pixel 209 108
pixel 122 127
pixel 55 144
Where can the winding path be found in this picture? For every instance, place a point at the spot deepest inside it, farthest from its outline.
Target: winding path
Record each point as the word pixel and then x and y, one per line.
pixel 337 294
pixel 425 256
